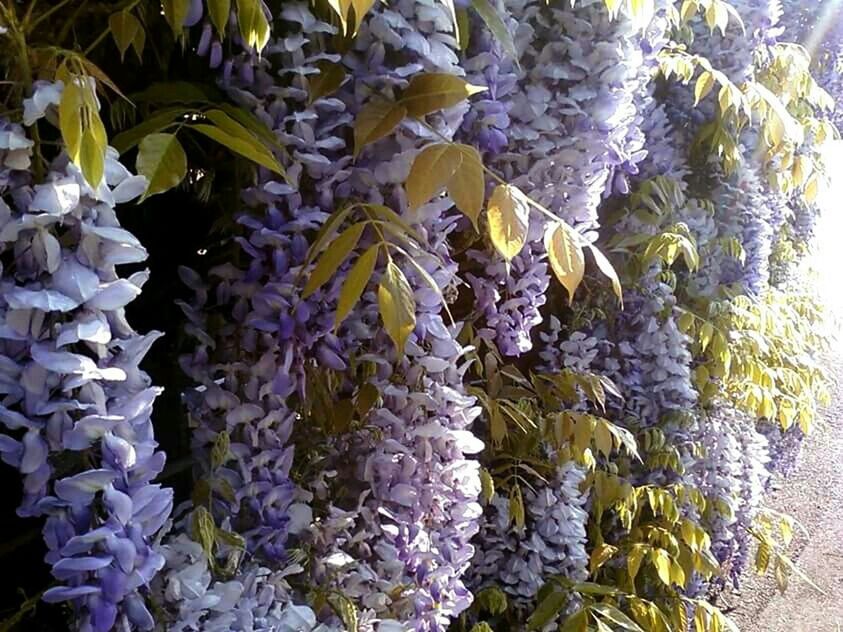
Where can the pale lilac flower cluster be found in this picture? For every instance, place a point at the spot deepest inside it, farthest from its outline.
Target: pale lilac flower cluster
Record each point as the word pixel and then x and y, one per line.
pixel 76 404
pixel 572 136
pixel 552 542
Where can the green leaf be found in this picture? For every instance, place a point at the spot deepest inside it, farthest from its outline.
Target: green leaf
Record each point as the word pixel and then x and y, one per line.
pixel 487 485
pixel 330 78
pixel 162 160
pixel 577 622
pixel 376 120
pixel 230 538
pixel 493 600
pixel 332 258
pixel 429 92
pixel 157 122
pixel 548 609
pixel 616 616
pixel 481 627
pixel 564 251
pixel 203 530
pixel 366 398
pixel 509 220
pixel 496 26
pixel 168 92
pixel 354 284
pixel 254 27
pixel 432 169
pixel 124 28
pixel 219 12
pixel 220 449
pixel 397 305
pixel 176 12
pixel 246 145
pixel 345 609
pixel 139 43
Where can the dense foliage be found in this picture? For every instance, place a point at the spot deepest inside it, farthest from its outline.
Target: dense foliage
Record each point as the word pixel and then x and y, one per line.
pixel 495 322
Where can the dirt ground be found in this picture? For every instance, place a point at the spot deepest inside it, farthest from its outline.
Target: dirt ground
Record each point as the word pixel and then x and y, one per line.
pixel 813 494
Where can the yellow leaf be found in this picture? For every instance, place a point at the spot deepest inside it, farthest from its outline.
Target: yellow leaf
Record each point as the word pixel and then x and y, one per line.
pixel 509 220
pixel 706 333
pixel 634 558
pixel 397 305
pixel 175 11
pixel 564 251
pixel 361 8
pixel 254 27
pixel 219 11
pixel 332 258
pixel 467 185
pixel 516 507
pixel 375 120
pixel 330 77
pixel 812 188
pixel 600 555
pixel 689 10
pixel 70 117
pixel 453 166
pixel 661 561
pixel 608 270
pixel 705 82
pixel 429 92
pixel 354 284
pixel 162 160
pixel 92 151
pixel 124 27
pixel 431 172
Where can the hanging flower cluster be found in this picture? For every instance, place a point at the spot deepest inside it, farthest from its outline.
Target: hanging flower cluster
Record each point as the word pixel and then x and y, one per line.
pixel 397 420
pixel 76 404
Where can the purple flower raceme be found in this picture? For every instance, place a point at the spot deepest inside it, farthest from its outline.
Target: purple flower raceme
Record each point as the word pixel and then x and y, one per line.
pixel 75 402
pixel 572 135
pixel 552 542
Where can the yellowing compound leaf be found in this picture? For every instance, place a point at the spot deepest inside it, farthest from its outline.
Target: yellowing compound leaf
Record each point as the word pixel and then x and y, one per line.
pixel 397 305
pixel 162 160
pixel 564 251
pixel 509 220
pixel 332 258
pixel 432 91
pixel 376 120
pixel 354 284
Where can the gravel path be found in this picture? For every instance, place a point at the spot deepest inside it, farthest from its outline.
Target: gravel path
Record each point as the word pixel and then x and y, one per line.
pixel 813 494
